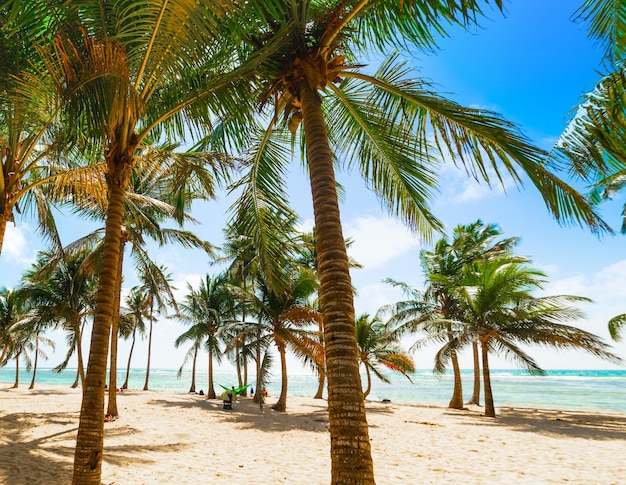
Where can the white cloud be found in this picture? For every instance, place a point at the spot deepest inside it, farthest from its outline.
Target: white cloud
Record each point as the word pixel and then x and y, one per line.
pixel 15 245
pixel 378 240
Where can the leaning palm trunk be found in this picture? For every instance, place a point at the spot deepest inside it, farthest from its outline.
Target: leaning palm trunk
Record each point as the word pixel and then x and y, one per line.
pixel 80 375
pixel 281 404
pixel 320 386
pixel 456 402
pixel 350 450
pixel 490 410
pixel 145 385
pixel 130 356
pixel 32 382
pixel 17 371
pixel 112 404
pixel 475 399
pixel 90 440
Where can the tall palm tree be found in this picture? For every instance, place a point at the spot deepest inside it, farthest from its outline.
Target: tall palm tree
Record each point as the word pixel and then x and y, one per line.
pixel 208 309
pixel 384 124
pixel 62 291
pixel 501 313
pixel 133 321
pixel 155 284
pixel 122 80
pixel 379 347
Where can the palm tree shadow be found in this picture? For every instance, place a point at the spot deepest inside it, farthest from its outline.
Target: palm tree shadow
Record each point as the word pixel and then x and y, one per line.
pixel 563 423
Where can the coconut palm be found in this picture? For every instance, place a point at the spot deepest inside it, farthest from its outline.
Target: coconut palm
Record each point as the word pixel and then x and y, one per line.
pixel 379 347
pixel 61 290
pixel 12 311
pixel 133 321
pixel 615 326
pixel 384 124
pixel 122 81
pixel 501 313
pixel 208 309
pixel 285 320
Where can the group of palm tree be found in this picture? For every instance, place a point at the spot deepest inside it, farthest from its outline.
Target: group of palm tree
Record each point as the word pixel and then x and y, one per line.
pixel 95 96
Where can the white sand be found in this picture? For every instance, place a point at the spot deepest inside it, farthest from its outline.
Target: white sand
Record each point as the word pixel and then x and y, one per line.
pixel 171 438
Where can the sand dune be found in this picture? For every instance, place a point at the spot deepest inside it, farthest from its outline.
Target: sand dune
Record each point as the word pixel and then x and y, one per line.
pixel 172 438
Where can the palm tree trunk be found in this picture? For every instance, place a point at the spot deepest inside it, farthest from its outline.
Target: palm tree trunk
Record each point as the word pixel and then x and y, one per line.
pixel 76 380
pixel 475 399
pixel 244 393
pixel 112 404
pixel 369 381
pixel 211 390
pixel 79 353
pixel 145 386
pixel 90 440
pixel 17 371
pixel 4 218
pixel 490 410
pixel 350 449
pixel 457 395
pixel 32 382
pixel 281 404
pixel 130 356
pixel 258 395
pixel 320 387
pixel 193 371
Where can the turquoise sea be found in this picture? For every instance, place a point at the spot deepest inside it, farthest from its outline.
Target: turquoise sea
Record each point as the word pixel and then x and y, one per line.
pixel 586 390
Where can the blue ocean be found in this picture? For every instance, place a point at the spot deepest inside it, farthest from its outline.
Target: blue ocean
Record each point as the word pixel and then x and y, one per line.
pixel 601 391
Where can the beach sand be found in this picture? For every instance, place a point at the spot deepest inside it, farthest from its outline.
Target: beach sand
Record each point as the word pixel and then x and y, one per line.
pixel 173 438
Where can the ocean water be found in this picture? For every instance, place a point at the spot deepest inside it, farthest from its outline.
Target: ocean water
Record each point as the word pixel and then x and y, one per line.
pixel 576 390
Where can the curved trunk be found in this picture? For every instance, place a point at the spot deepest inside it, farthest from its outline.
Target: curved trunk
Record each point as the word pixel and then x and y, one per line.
pixel 130 356
pixel 79 354
pixel 369 381
pixel 258 395
pixel 281 404
pixel 320 386
pixel 90 440
pixel 475 399
pixel 17 372
pixel 112 404
pixel 32 382
pixel 457 395
pixel 193 371
pixel 76 380
pixel 145 385
pixel 490 410
pixel 350 449
pixel 210 394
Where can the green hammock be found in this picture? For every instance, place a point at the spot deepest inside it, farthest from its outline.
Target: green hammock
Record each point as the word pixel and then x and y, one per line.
pixel 238 390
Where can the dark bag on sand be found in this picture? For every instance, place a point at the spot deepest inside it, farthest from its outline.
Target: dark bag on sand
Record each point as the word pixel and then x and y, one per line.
pixel 201 392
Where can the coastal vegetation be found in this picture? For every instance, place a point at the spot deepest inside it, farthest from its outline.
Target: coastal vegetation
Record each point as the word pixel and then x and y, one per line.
pixel 99 93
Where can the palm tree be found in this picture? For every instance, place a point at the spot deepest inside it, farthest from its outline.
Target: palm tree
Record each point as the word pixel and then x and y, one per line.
pixel 12 311
pixel 155 284
pixel 285 319
pixel 209 308
pixel 501 313
pixel 121 81
pixel 378 347
pixel 62 291
pixel 383 123
pixel 132 322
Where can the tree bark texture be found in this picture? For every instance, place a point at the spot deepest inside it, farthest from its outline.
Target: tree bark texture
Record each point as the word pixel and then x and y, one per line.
pixel 490 410
pixel 475 399
pixel 90 440
pixel 281 404
pixel 350 449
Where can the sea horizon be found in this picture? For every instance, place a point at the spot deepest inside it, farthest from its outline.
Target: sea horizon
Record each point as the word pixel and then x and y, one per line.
pixel 600 391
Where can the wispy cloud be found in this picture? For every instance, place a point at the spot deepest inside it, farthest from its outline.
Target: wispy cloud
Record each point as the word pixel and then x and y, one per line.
pixel 378 240
pixel 16 246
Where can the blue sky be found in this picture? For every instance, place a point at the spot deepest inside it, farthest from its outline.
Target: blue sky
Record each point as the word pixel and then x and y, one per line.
pixel 532 66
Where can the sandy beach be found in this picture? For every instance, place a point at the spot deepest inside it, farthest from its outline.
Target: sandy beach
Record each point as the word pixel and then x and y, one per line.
pixel 175 438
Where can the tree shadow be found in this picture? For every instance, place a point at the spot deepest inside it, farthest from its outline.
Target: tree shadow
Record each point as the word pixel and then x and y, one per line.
pixel 549 422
